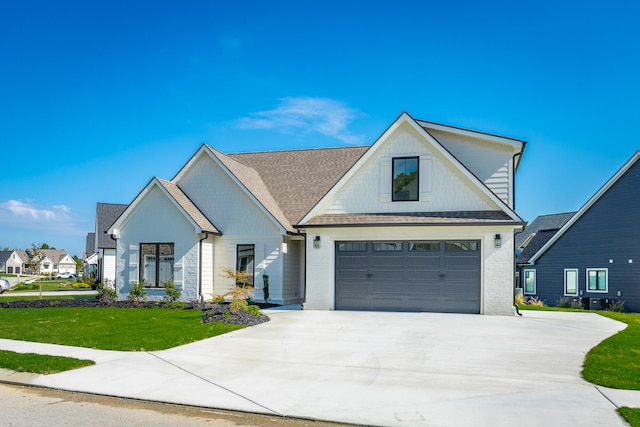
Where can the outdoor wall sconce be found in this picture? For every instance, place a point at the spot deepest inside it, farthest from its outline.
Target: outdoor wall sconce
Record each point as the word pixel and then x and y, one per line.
pixel 316 242
pixel 497 242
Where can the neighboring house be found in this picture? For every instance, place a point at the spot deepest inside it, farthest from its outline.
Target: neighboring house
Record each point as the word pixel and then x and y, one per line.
pixel 11 262
pixel 595 256
pixel 422 220
pixel 104 249
pixel 543 222
pixel 56 261
pixel 90 257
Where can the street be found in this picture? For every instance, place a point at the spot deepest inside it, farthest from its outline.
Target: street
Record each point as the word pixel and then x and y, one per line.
pixel 27 406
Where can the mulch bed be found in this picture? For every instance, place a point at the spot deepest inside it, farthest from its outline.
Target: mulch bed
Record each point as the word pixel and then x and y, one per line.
pixel 213 312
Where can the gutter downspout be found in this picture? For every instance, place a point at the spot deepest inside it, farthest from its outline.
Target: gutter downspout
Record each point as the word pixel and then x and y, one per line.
pixel 206 236
pixel 513 278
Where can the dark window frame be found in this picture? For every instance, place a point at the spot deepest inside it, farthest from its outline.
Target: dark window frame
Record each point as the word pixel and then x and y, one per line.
pixel 394 193
pixel 156 283
pixel 252 263
pixel 598 281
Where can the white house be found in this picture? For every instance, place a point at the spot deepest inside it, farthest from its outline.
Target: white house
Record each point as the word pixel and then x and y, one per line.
pixel 56 261
pixel 421 220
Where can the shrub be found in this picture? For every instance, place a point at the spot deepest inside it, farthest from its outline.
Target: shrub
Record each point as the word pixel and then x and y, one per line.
pixel 242 279
pixel 172 293
pixel 239 296
pixel 520 298
pixel 107 293
pixel 535 301
pixel 617 306
pixel 137 292
pixel 218 299
pixel 254 310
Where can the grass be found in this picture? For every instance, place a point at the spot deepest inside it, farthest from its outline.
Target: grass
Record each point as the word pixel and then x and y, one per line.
pixel 6 298
pixel 49 285
pixel 40 364
pixel 632 415
pixel 110 328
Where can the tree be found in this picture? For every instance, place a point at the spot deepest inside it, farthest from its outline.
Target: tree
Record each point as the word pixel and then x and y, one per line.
pixel 36 256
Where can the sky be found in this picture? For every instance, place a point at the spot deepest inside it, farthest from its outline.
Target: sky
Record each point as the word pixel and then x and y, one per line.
pixel 97 98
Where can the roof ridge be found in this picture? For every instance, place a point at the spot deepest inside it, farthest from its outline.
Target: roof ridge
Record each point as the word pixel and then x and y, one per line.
pixel 296 150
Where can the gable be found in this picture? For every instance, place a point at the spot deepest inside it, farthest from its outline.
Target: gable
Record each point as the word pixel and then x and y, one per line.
pixel 221 198
pixel 443 186
pixel 491 162
pixel 608 220
pixel 154 216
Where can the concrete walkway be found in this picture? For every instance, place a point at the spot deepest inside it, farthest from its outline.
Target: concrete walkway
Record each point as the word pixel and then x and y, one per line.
pixel 388 369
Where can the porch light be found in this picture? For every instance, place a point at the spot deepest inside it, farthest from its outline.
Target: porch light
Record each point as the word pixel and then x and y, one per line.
pixel 316 242
pixel 497 241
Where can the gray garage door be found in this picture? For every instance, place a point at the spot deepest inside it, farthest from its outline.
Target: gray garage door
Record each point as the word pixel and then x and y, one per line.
pixel 439 276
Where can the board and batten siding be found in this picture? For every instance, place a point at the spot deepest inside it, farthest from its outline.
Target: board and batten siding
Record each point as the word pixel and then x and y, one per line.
pixel 442 187
pixel 607 236
pixel 157 220
pixel 490 162
pixel 109 265
pixel 293 270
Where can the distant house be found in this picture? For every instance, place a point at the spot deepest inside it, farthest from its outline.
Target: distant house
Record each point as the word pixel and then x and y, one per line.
pixel 90 257
pixel 56 261
pixel 104 249
pixel 421 220
pixel 11 262
pixel 543 222
pixel 594 257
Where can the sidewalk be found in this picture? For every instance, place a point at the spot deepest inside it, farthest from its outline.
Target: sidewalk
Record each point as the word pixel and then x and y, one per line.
pixel 387 369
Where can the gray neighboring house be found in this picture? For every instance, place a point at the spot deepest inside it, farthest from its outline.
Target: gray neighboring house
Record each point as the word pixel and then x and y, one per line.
pixel 594 257
pixel 541 223
pixel 11 262
pixel 104 249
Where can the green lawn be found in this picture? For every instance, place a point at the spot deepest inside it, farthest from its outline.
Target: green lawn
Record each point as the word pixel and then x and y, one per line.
pixel 49 285
pixel 38 363
pixel 110 328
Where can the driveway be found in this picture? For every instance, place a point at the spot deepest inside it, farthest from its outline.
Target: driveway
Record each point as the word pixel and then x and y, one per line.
pixel 390 369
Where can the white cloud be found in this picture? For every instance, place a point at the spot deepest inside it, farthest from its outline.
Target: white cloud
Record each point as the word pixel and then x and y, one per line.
pixel 19 214
pixel 305 114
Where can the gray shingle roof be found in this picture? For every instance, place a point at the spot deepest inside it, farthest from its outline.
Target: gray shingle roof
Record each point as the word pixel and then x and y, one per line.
pixel 543 222
pixel 106 215
pixel 298 179
pixel 538 241
pixel 5 255
pixel 90 244
pixel 414 218
pixel 196 215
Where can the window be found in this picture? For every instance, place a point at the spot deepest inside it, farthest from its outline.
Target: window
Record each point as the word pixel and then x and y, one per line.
pixel 461 246
pixel 597 279
pixel 529 282
pixel 156 264
pixel 424 246
pixel 352 247
pixel 570 281
pixel 405 179
pixel 245 261
pixel 387 247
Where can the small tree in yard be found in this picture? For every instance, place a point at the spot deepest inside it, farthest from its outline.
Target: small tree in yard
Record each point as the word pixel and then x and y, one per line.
pixel 107 292
pixel 242 290
pixel 36 256
pixel 172 293
pixel 137 292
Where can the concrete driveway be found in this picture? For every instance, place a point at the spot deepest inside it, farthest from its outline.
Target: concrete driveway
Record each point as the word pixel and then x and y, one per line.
pixel 390 369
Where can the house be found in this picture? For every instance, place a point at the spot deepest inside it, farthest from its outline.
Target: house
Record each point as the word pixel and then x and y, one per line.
pixel 56 261
pixel 421 220
pixel 103 254
pixel 90 257
pixel 594 257
pixel 11 262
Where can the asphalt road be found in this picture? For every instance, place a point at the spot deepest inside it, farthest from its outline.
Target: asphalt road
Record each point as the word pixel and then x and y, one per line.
pixel 36 407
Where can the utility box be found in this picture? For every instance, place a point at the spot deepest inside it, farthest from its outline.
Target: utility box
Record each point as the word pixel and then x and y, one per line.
pixel 595 303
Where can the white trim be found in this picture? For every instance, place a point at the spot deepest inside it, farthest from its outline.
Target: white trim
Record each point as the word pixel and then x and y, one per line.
pixel 586 206
pixel 406 118
pixel 524 281
pixel 577 282
pixel 512 142
pixel 606 280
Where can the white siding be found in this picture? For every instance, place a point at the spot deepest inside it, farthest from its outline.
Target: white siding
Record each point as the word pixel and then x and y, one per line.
pixel 293 267
pixel 490 162
pixel 157 220
pixel 109 265
pixel 442 186
pixel 496 270
pixel 207 268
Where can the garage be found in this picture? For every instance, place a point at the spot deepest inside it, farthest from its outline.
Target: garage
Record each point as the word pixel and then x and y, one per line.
pixel 435 276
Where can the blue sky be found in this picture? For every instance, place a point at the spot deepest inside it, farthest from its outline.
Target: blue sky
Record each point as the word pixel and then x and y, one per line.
pixel 96 98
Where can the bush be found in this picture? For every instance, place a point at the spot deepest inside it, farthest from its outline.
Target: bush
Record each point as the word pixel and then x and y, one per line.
pixel 172 293
pixel 106 293
pixel 239 296
pixel 568 302
pixel 617 306
pixel 520 298
pixel 137 292
pixel 535 301
pixel 217 299
pixel 254 310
